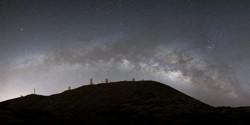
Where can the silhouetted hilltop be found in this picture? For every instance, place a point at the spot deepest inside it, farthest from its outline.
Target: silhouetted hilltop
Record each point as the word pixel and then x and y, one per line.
pixel 125 102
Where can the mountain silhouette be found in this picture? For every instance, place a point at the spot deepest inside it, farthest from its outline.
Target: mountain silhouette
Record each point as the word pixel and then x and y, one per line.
pixel 117 103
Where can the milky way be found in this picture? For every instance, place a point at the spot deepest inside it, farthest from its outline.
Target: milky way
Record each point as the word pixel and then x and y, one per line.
pixel 199 48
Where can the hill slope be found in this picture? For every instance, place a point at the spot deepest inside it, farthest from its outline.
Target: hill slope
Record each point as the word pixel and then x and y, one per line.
pixel 141 102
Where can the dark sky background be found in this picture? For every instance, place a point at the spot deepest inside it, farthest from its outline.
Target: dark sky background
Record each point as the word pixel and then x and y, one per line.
pixel 200 47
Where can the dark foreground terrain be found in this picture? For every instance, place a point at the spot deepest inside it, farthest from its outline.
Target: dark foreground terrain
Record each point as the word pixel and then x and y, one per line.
pixel 118 103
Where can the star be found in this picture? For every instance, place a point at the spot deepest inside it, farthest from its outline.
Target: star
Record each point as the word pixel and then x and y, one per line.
pixel 20 29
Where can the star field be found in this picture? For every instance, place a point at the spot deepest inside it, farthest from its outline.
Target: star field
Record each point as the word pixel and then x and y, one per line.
pixel 199 47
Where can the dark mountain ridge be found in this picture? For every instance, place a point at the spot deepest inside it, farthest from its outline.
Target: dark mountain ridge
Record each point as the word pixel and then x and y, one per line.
pixel 125 102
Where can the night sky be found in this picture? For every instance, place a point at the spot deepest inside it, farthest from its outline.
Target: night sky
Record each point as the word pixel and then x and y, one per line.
pixel 200 47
